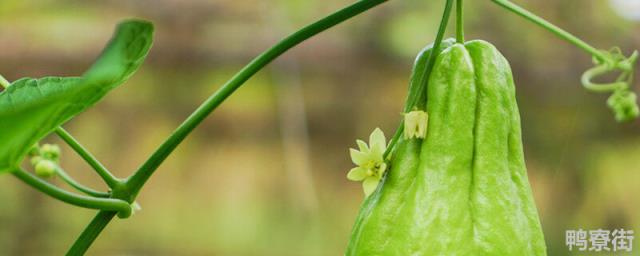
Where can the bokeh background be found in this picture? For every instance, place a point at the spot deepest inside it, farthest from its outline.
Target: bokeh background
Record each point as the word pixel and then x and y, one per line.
pixel 265 174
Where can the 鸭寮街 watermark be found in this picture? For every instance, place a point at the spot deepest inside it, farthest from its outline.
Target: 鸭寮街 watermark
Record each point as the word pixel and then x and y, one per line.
pixel 599 240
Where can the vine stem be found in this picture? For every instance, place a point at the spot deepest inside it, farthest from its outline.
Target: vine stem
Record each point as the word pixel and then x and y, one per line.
pixel 135 182
pixel 105 174
pixel 116 205
pixel 90 233
pixel 82 188
pixel 460 22
pixel 419 94
pixel 394 140
pixel 552 28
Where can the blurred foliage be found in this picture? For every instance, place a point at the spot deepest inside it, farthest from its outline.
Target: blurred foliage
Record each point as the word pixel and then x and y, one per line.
pixel 226 190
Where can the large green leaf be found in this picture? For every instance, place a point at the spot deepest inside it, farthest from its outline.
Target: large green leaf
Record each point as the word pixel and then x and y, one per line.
pixel 32 108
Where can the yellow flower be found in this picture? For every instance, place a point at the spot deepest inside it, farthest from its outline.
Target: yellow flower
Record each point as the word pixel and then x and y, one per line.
pixel 369 160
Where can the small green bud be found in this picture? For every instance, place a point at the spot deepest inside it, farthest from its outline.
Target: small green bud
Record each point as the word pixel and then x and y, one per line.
pixel 35 160
pixel 624 105
pixel 415 124
pixel 50 151
pixel 46 168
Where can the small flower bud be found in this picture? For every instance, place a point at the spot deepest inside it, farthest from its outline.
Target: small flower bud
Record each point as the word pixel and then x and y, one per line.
pixel 46 168
pixel 50 151
pixel 624 105
pixel 415 124
pixel 35 160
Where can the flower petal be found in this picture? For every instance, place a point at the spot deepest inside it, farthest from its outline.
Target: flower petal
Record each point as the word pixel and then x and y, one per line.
pixel 363 146
pixel 369 185
pixel 409 123
pixel 377 142
pixel 358 157
pixel 357 174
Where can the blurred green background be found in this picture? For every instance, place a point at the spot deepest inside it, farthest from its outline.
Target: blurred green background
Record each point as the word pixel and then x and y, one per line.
pixel 265 174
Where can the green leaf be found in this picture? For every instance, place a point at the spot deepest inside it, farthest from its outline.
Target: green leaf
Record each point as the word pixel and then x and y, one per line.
pixel 32 108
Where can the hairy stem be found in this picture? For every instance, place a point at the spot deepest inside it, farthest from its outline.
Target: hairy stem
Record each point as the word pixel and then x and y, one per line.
pixel 139 178
pixel 552 28
pixel 82 188
pixel 108 178
pixel 109 204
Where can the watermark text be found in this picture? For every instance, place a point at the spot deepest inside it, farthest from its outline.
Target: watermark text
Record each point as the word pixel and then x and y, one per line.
pixel 599 240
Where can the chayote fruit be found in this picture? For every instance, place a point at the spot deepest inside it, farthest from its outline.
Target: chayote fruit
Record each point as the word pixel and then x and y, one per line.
pixel 463 189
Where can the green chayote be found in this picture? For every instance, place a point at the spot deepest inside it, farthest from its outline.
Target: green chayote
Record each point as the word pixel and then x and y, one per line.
pixel 463 189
